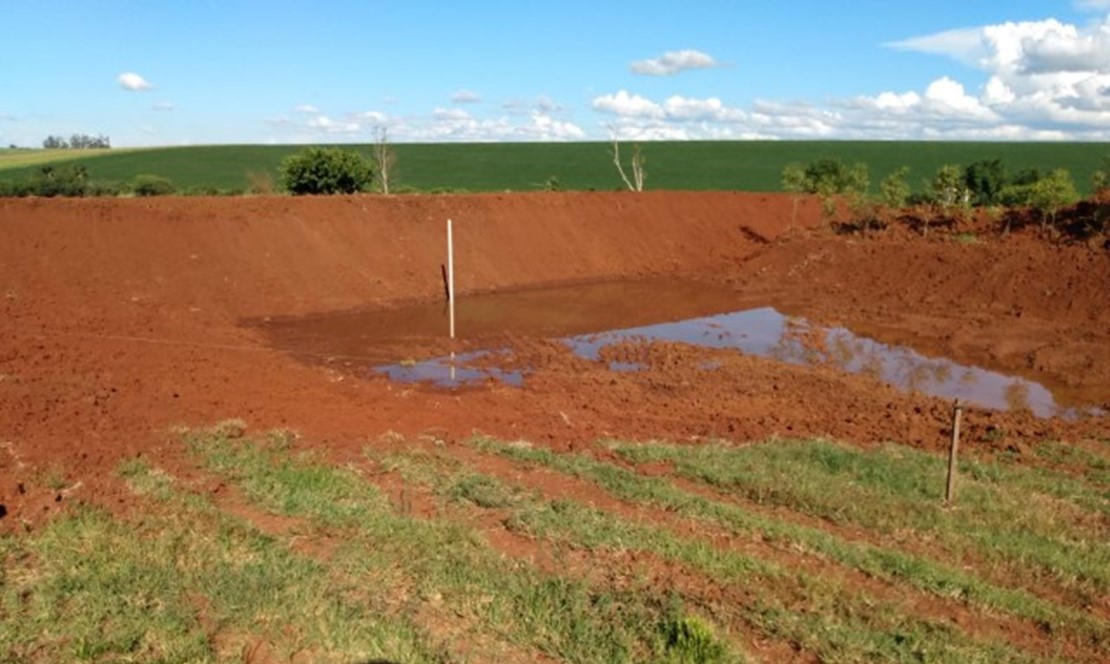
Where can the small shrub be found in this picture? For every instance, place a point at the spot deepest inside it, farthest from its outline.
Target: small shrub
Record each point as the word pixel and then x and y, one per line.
pixel 984 181
pixel 12 189
pixel 326 171
pixel 108 188
pixel 895 188
pixel 50 181
pixel 152 185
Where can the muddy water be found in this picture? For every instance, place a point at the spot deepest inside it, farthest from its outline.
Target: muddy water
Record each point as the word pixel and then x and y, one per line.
pixel 589 317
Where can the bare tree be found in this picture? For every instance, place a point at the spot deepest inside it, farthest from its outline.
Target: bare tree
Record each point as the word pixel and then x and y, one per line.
pixel 637 165
pixel 383 154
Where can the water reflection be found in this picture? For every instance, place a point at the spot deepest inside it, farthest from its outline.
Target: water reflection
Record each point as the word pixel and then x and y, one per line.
pixel 767 333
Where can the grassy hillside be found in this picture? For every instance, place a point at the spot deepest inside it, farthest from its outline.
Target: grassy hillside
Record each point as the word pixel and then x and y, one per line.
pixel 722 165
pixel 21 158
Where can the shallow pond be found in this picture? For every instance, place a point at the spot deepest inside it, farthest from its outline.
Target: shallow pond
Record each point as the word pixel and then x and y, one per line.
pixel 588 317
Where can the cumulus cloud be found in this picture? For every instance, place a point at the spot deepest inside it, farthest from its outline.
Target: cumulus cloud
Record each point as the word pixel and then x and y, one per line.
pixel 1042 80
pixel 1047 74
pixel 456 124
pixel 442 124
pixel 466 97
pixel 673 62
pixel 327 125
pixel 625 104
pixel 133 82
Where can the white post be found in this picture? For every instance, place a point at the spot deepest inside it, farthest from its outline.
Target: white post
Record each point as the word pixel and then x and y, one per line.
pixel 451 291
pixel 451 278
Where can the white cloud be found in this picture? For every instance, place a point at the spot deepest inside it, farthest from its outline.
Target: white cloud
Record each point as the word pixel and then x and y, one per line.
pixel 542 104
pixel 443 124
pixel 1048 76
pixel 673 62
pixel 133 82
pixel 687 118
pixel 372 118
pixel 326 125
pixel 1093 5
pixel 944 110
pixel 162 106
pixel 965 45
pixel 545 104
pixel 455 124
pixel 306 108
pixel 628 105
pixel 466 97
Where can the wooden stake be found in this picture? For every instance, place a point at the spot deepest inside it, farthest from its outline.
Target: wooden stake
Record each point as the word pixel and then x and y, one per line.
pixel 953 450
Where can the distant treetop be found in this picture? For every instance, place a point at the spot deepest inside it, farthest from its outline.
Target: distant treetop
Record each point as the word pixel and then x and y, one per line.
pixel 77 142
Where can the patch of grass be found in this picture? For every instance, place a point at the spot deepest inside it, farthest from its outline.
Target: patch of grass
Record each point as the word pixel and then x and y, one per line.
pixel 690 641
pixel 883 562
pixel 1008 517
pixel 22 158
pixel 838 622
pixel 183 582
pixel 481 490
pixel 449 568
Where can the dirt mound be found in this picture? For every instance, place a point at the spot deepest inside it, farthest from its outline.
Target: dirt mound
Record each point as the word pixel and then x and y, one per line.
pixel 124 318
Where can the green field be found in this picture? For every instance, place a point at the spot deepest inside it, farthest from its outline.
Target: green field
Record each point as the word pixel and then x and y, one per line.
pixel 485 167
pixel 429 551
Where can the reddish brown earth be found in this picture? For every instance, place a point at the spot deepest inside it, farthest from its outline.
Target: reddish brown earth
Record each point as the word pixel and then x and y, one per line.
pixel 124 318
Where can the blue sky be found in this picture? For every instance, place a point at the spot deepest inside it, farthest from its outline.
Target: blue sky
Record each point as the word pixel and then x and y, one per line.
pixel 161 72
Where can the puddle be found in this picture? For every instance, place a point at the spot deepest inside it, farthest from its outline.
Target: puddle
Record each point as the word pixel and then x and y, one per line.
pixel 590 317
pixel 767 333
pixel 451 371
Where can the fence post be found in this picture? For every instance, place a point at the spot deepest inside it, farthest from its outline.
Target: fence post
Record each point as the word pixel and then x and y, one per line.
pixel 953 451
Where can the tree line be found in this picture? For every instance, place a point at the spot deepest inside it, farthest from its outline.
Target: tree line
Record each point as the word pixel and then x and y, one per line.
pixel 77 142
pixel 948 193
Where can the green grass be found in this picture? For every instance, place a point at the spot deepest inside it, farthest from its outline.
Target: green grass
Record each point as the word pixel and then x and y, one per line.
pixel 18 158
pixel 498 599
pixel 318 563
pixel 491 167
pixel 1005 518
pixel 833 620
pixel 887 562
pixel 183 582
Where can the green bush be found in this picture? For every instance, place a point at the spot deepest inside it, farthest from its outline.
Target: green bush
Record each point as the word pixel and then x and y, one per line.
pixel 152 185
pixel 326 171
pixel 985 179
pixel 50 181
pixel 108 188
pixel 828 176
pixel 12 189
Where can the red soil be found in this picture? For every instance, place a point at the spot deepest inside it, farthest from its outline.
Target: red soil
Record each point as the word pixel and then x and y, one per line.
pixel 124 318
